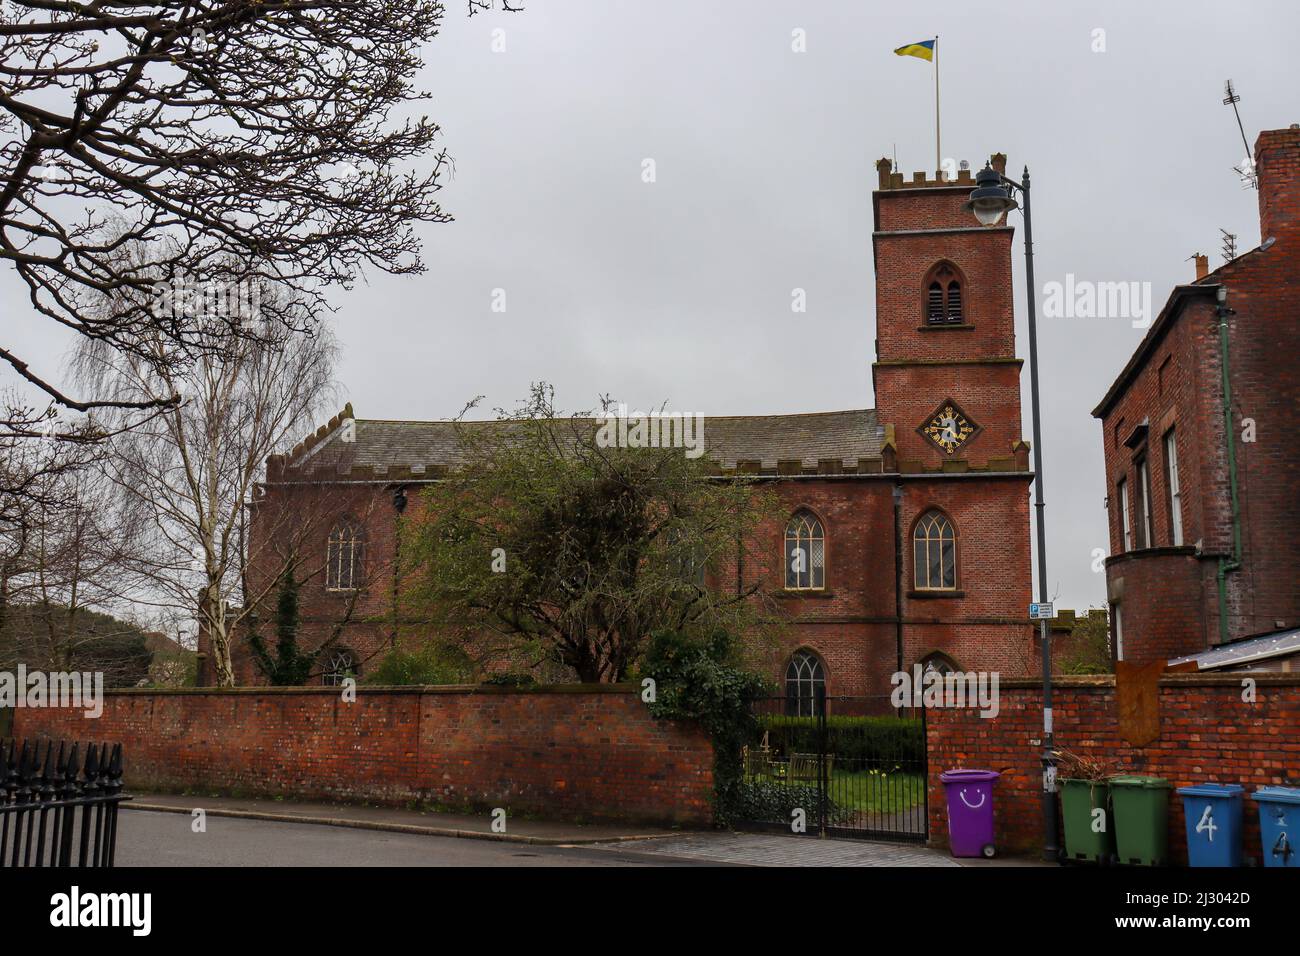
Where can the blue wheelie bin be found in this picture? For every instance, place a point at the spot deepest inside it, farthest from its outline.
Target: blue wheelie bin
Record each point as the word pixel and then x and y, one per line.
pixel 1213 815
pixel 1279 824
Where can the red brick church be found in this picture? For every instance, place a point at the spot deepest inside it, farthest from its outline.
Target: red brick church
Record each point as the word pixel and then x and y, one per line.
pixel 914 513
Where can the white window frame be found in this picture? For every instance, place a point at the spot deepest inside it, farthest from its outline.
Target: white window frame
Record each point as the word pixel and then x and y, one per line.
pixel 805 532
pixel 1175 493
pixel 1118 627
pixel 1126 532
pixel 1144 481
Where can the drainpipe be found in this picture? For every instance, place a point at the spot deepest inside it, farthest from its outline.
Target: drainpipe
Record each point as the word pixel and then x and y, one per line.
pixel 898 573
pixel 1233 563
pixel 399 506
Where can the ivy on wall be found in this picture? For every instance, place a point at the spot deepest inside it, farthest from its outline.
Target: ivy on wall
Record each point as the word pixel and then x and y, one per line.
pixel 702 681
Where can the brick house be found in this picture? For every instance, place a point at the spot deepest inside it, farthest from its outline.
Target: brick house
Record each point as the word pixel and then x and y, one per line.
pixel 944 440
pixel 1201 461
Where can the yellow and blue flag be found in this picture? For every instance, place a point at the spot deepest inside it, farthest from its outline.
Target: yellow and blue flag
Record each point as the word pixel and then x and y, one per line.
pixel 924 49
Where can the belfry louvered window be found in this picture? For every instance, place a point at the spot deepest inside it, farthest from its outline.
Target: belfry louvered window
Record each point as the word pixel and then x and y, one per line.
pixel 934 307
pixel 943 301
pixel 954 302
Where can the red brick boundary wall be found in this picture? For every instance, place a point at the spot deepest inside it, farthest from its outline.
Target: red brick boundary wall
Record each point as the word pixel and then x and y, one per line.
pixel 573 751
pixel 1207 734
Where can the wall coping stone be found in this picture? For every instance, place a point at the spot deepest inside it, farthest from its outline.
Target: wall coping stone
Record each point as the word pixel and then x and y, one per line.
pixel 487 689
pixel 1107 681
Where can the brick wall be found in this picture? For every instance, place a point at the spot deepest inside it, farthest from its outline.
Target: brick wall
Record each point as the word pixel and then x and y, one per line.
pixel 566 751
pixel 1178 621
pixel 1207 734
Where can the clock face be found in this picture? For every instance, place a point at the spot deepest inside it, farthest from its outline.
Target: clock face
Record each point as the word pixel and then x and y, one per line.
pixel 949 427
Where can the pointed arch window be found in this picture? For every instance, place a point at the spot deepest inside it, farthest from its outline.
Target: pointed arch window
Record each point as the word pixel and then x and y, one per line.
pixel 338 665
pixel 805 684
pixel 934 553
pixel 940 663
pixel 345 557
pixel 943 296
pixel 805 553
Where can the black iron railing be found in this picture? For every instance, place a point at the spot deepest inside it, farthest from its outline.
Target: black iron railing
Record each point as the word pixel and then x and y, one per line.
pixel 55 809
pixel 845 766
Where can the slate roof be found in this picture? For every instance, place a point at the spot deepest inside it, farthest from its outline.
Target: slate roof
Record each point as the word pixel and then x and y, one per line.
pixel 847 436
pixel 1246 651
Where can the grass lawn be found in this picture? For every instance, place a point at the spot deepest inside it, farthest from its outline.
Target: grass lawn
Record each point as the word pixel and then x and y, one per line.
pixel 867 791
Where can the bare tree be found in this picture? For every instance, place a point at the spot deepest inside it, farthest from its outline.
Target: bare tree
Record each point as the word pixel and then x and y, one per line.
pixel 237 141
pixel 186 475
pixel 61 577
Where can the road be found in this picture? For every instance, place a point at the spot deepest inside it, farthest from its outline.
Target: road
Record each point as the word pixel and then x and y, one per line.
pixel 166 839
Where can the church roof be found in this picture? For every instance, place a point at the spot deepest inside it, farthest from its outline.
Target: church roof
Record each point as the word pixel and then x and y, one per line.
pixel 414 447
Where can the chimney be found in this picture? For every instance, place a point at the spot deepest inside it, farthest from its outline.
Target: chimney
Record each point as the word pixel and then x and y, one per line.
pixel 1202 265
pixel 1277 164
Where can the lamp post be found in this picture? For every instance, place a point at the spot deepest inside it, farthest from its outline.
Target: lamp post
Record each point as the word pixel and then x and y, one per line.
pixel 989 201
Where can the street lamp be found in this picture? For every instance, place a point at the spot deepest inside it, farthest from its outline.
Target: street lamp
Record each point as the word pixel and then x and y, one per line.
pixel 989 201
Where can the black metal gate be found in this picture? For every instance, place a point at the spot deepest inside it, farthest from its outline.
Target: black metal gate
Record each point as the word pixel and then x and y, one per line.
pixel 846 767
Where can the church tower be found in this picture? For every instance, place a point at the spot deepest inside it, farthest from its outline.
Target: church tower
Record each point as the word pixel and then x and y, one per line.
pixel 947 384
pixel 946 375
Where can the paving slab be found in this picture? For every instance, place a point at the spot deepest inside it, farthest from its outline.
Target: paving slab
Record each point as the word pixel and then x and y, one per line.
pixel 768 849
pixel 398 820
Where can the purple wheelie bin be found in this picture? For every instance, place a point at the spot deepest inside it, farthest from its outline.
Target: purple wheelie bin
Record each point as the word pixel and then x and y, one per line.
pixel 970 811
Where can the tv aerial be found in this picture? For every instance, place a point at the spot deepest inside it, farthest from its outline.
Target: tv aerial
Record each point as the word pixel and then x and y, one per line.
pixel 1229 245
pixel 1247 168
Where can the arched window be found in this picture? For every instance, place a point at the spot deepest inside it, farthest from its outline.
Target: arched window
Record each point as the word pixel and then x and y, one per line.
pixel 805 553
pixel 943 302
pixel 339 664
pixel 934 553
pixel 939 662
pixel 805 682
pixel 345 558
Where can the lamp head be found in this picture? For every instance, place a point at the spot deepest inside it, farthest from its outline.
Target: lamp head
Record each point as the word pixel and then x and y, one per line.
pixel 990 199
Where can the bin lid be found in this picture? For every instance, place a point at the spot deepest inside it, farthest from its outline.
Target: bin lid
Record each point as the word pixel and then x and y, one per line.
pixel 1137 780
pixel 1277 795
pixel 968 776
pixel 1211 790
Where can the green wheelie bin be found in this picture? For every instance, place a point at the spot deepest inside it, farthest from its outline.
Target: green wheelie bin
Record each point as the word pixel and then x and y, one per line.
pixel 1087 835
pixel 1141 808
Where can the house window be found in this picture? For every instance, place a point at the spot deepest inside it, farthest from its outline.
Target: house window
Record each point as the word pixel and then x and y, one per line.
pixel 934 553
pixel 805 553
pixel 1175 495
pixel 1126 528
pixel 805 683
pixel 1117 628
pixel 1144 505
pixel 338 665
pixel 345 558
pixel 943 302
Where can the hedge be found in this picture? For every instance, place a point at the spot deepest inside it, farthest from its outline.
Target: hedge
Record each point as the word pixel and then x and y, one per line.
pixel 849 738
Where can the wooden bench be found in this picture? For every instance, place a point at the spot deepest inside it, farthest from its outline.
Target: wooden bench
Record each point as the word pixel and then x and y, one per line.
pixel 804 767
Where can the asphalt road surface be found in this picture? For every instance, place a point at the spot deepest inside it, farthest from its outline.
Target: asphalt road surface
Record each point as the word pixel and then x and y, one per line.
pixel 166 839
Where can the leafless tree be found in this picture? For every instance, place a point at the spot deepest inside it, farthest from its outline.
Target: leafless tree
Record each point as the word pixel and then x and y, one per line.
pixel 61 579
pixel 186 475
pixel 234 141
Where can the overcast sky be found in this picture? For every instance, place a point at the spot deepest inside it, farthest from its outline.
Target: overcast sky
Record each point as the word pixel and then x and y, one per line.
pixel 679 291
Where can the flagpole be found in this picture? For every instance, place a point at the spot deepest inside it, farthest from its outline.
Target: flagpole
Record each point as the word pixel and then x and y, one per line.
pixel 938 150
